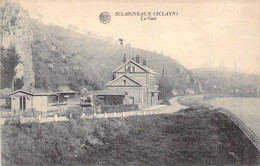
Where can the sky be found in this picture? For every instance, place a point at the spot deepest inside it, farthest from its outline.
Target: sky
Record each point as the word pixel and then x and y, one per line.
pixel 209 34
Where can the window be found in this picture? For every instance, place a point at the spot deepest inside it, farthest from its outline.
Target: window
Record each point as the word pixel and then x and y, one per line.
pixel 22 103
pixel 133 69
pixel 124 82
pixel 132 100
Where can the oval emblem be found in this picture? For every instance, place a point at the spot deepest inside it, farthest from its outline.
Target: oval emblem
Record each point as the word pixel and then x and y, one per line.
pixel 104 17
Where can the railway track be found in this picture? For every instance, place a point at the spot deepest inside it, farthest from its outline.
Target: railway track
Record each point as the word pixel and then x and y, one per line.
pixel 245 129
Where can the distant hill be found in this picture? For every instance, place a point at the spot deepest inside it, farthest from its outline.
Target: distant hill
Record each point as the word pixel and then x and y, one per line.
pixel 62 57
pixel 213 80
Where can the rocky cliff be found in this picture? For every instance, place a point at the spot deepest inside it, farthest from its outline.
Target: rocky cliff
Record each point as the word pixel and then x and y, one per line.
pixel 16 33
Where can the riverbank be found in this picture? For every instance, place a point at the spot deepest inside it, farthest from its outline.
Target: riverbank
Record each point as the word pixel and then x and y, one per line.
pixel 189 137
pixel 246 109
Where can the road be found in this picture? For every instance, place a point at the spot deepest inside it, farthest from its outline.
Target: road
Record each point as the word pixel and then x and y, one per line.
pixel 166 109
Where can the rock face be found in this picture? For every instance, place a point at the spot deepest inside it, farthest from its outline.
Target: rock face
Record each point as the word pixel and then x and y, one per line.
pixel 15 31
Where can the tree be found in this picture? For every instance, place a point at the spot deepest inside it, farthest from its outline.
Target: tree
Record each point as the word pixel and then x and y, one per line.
pixel 165 87
pixel 9 60
pixel 40 16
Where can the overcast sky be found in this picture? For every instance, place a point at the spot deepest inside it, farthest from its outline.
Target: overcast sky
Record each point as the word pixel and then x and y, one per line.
pixel 203 33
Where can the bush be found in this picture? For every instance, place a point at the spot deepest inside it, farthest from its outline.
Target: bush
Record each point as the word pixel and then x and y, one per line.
pixel 191 137
pixel 118 108
pixel 56 143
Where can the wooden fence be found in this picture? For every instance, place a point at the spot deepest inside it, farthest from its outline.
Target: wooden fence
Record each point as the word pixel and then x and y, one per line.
pixel 66 117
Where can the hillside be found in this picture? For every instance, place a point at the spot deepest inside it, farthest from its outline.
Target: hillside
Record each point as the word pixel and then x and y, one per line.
pixel 213 80
pixel 50 57
pixel 62 57
pixel 59 50
pixel 190 137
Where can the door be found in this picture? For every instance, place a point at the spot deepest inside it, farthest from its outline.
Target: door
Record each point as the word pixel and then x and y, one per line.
pixel 152 95
pixel 22 102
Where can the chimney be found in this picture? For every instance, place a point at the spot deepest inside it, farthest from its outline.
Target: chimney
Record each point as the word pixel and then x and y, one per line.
pixel 137 59
pixel 124 59
pixel 144 61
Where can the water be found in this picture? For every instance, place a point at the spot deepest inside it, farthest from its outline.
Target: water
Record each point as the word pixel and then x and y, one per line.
pixel 246 109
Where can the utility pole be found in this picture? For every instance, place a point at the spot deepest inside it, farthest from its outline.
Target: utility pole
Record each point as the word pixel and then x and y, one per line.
pixel 121 42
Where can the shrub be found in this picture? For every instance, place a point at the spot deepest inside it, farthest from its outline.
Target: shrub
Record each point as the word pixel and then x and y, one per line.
pixel 118 108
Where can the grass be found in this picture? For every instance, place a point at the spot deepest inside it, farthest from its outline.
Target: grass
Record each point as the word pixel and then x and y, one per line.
pixel 190 137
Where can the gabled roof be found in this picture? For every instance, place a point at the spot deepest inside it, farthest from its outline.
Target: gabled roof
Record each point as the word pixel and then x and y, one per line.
pixel 41 94
pixel 110 93
pixel 67 92
pixel 145 68
pixel 45 94
pixel 148 69
pixel 21 91
pixel 127 76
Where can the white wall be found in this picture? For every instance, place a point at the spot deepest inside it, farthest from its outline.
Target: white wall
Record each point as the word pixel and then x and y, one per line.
pixel 137 68
pixel 15 100
pixel 40 103
pixel 120 82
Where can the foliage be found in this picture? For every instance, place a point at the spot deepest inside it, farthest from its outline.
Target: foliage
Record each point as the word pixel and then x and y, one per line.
pixel 224 82
pixel 9 60
pixel 52 143
pixel 63 56
pixel 193 136
pixel 165 87
pixel 118 108
pixel 83 60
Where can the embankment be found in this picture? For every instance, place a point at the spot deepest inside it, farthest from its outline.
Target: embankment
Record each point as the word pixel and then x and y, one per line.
pixel 189 137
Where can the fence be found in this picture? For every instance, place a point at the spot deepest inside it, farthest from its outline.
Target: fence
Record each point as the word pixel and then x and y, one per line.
pixel 16 113
pixel 76 113
pixel 245 129
pixel 182 101
pixel 57 118
pixel 120 114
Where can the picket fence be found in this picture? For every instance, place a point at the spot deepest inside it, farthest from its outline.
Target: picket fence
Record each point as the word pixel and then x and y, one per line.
pixel 57 118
